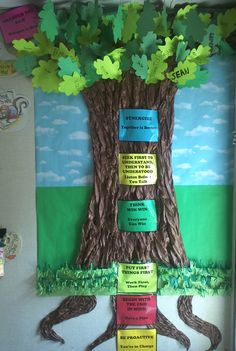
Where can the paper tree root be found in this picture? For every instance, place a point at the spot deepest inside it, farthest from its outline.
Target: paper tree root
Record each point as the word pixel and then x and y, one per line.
pixel 185 311
pixel 163 325
pixel 70 307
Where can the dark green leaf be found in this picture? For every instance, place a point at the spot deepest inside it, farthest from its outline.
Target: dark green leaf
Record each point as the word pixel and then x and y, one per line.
pixel 149 43
pixel 146 23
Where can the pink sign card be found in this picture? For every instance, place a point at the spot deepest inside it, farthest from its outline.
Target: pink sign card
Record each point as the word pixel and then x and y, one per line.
pixel 136 309
pixel 19 23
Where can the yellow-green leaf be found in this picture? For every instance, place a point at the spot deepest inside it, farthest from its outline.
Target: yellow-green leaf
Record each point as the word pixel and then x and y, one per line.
pixel 72 84
pixel 117 54
pixel 170 46
pixel 108 69
pixel 156 68
pixel 227 22
pixel 184 72
pixel 45 76
pixel 26 46
pixel 200 55
pixel 183 11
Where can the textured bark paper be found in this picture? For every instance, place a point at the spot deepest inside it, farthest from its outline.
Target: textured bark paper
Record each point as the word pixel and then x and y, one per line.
pixel 137 278
pixel 136 339
pixel 137 216
pixel 137 169
pixel 136 310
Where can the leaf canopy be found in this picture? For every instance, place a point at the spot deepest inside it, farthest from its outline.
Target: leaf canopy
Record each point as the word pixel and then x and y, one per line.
pixel 78 46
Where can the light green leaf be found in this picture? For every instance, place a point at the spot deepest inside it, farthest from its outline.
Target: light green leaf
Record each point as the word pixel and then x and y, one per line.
pixel 118 24
pixel 25 64
pixel 26 46
pixel 45 76
pixel 107 69
pixel 200 55
pixel 201 77
pixel 149 43
pixel 183 72
pixel 72 84
pixel 49 23
pixel 181 51
pixel 227 22
pixel 170 46
pixel 140 66
pixel 117 54
pixel 183 11
pixel 130 23
pixel 67 66
pixel 156 68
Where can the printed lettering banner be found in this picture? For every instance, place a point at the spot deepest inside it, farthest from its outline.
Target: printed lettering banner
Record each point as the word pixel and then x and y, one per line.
pixel 20 22
pixel 137 216
pixel 138 125
pixel 136 310
pixel 136 339
pixel 137 169
pixel 137 278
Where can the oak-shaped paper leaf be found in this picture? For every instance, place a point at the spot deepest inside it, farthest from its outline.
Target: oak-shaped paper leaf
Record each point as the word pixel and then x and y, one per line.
pixel 108 69
pixel 161 24
pixel 179 27
pixel 118 24
pixel 72 28
pixel 130 23
pixel 140 66
pixel 156 68
pixel 25 64
pixel 117 54
pixel 184 11
pixel 63 51
pixel 72 85
pixel 225 49
pixel 45 45
pixel 205 18
pixel 170 46
pixel 87 35
pixel 49 23
pixel 149 43
pixel 26 46
pixel 182 52
pixel 200 55
pixel 67 66
pixel 45 76
pixel 196 29
pixel 146 20
pixel 183 72
pixel 226 22
pixel 201 77
pixel 212 38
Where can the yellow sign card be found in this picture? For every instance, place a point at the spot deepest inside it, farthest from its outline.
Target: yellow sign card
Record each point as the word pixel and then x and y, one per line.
pixel 137 169
pixel 136 339
pixel 137 278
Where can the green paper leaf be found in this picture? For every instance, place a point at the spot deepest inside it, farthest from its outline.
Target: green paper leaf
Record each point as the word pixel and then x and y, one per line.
pixel 161 24
pixel 184 11
pixel 63 51
pixel 183 72
pixel 227 22
pixel 140 66
pixel 156 68
pixel 118 24
pixel 196 29
pixel 72 28
pixel 72 84
pixel 170 46
pixel 107 69
pixel 201 77
pixel 67 66
pixel 117 54
pixel 44 44
pixel 130 23
pixel 181 52
pixel 25 64
pixel 126 62
pixel 212 38
pixel 45 76
pixel 179 27
pixel 26 46
pixel 200 55
pixel 148 44
pixel 146 23
pixel 90 73
pixel 49 23
pixel 205 18
pixel 88 36
pixel 226 49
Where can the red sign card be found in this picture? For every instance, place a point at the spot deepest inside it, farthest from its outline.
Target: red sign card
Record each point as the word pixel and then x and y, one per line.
pixel 19 23
pixel 136 310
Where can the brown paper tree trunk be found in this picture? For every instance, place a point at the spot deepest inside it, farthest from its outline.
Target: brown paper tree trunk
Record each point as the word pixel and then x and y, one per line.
pixel 102 242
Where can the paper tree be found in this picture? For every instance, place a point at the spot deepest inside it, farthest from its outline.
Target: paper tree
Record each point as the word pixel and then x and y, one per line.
pixel 135 56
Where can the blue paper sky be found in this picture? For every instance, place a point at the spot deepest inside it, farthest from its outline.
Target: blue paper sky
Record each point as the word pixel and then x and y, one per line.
pixel 202 143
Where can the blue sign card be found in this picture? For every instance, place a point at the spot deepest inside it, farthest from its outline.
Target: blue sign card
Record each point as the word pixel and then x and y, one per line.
pixel 138 125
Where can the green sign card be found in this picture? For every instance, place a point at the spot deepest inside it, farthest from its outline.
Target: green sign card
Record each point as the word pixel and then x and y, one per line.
pixel 137 216
pixel 137 278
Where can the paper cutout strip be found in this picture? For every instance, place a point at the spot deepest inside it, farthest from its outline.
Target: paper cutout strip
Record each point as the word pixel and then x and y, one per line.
pixel 137 278
pixel 136 339
pixel 136 310
pixel 20 22
pixel 138 125
pixel 137 169
pixel 1 261
pixel 137 216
